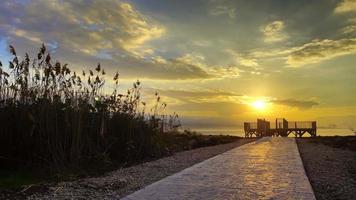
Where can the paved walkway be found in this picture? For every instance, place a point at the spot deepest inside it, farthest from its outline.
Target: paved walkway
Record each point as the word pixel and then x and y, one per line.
pixel 269 168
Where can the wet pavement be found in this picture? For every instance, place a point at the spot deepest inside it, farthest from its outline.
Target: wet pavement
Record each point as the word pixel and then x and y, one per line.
pixel 270 168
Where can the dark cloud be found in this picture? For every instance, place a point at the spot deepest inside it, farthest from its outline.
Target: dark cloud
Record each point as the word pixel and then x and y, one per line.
pixel 194 94
pixel 296 103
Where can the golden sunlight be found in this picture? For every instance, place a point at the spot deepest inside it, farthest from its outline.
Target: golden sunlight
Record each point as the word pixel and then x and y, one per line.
pixel 259 104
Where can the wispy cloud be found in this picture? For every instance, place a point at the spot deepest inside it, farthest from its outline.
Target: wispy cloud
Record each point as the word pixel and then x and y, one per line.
pixel 221 7
pixel 243 60
pixel 346 6
pixel 349 29
pixel 296 103
pixel 319 50
pixel 274 32
pixel 197 60
pixel 202 95
pixel 315 51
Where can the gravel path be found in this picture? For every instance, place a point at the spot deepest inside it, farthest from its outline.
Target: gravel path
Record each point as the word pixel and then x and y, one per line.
pixel 269 168
pixel 124 181
pixel 331 171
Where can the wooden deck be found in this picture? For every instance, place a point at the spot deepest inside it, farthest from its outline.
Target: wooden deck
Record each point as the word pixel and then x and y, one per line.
pixel 282 128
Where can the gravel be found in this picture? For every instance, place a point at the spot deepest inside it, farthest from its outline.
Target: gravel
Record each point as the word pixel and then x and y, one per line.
pixel 124 181
pixel 331 171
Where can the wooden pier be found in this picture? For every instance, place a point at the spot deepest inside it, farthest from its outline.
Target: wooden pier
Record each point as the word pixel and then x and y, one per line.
pixel 282 128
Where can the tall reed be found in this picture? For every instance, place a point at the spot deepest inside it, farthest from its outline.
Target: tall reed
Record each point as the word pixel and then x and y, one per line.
pixel 52 116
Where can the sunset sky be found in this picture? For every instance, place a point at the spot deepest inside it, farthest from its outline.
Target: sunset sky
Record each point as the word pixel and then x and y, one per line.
pixel 216 63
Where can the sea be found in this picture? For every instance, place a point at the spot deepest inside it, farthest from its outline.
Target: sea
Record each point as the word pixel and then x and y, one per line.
pixel 240 132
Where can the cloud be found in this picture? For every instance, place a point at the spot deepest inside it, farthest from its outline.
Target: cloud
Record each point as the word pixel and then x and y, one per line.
pixel 220 7
pixel 296 103
pixel 198 95
pixel 221 72
pixel 349 29
pixel 274 32
pixel 111 31
pixel 193 59
pixel 26 34
pixel 197 61
pixel 249 62
pixel 85 26
pixel 346 6
pixel 240 59
pixel 185 70
pixel 202 43
pixel 188 66
pixel 320 50
pixel 314 51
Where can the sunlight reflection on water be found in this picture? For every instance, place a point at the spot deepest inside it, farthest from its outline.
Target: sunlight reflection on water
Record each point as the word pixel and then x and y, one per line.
pixel 240 132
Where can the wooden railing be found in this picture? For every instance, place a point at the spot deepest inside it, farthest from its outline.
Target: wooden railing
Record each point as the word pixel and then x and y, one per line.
pixel 301 124
pixel 250 125
pixel 290 125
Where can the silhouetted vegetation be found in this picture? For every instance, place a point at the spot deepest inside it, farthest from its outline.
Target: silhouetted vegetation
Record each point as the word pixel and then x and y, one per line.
pixel 51 116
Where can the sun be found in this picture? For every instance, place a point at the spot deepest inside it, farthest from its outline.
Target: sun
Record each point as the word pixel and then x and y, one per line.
pixel 259 104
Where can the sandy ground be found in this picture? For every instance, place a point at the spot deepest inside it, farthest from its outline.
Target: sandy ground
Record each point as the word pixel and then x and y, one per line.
pixel 331 171
pixel 124 181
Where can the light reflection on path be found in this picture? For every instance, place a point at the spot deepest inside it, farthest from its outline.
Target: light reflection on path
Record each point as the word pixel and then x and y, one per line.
pixel 269 168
